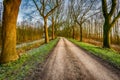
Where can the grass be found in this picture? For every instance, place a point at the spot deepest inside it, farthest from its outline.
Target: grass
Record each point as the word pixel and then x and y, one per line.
pixel 19 69
pixel 109 55
pixel 23 49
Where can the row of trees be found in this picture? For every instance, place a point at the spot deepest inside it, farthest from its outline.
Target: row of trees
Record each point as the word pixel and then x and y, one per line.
pixel 65 16
pixel 11 8
pixel 27 32
pixel 92 30
pixel 46 8
pixel 98 20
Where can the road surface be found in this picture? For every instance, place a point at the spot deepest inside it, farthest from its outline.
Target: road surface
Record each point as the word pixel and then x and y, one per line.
pixel 68 62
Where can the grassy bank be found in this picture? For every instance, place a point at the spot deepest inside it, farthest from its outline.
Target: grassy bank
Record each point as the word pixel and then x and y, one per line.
pixel 107 54
pixel 27 47
pixel 19 69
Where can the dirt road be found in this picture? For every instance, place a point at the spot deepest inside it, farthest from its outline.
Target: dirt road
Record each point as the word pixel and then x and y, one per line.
pixel 68 62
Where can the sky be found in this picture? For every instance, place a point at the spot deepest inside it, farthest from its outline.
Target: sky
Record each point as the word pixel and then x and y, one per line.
pixel 27 7
pixel 21 12
pixel 23 9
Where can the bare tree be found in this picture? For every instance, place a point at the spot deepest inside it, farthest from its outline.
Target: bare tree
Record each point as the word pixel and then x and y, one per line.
pixel 54 18
pixel 46 8
pixel 80 10
pixel 109 21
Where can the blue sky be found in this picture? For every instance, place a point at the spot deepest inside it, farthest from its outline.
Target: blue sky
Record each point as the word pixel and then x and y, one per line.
pixel 26 9
pixel 23 9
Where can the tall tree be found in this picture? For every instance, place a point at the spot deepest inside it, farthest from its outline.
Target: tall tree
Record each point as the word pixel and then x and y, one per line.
pixel 46 8
pixel 55 20
pixel 10 13
pixel 53 27
pixel 81 8
pixel 109 21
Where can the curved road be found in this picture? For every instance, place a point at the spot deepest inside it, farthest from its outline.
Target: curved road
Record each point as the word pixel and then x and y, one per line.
pixel 68 62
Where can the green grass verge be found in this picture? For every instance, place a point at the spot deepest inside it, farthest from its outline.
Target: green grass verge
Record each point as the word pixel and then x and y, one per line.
pixel 107 54
pixel 19 69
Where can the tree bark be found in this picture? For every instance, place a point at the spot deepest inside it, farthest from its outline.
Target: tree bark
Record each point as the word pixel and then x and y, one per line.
pixel 106 32
pixel 10 13
pixel 73 34
pixel 106 35
pixel 80 33
pixel 46 30
pixel 53 32
pixel 80 25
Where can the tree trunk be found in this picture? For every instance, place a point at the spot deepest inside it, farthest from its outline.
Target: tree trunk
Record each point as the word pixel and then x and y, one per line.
pixel 46 30
pixel 106 34
pixel 53 24
pixel 117 32
pixel 11 8
pixel 80 33
pixel 109 21
pixel 73 35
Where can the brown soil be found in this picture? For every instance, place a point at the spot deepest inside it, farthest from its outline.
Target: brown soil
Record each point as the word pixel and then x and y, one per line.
pixel 68 62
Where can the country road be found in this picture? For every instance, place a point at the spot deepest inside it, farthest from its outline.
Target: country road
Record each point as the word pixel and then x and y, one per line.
pixel 69 62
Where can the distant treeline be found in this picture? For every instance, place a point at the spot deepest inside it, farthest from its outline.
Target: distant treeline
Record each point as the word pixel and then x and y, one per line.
pixel 27 33
pixel 91 31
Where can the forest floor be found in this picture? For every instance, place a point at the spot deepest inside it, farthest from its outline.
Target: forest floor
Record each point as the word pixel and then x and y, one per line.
pixel 68 62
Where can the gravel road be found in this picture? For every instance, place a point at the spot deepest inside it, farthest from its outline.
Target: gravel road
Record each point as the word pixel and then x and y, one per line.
pixel 69 62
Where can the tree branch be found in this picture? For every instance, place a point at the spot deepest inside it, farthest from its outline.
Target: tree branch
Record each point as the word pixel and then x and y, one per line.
pixel 52 10
pixel 104 8
pixel 89 17
pixel 113 7
pixel 87 10
pixel 115 19
pixel 38 8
